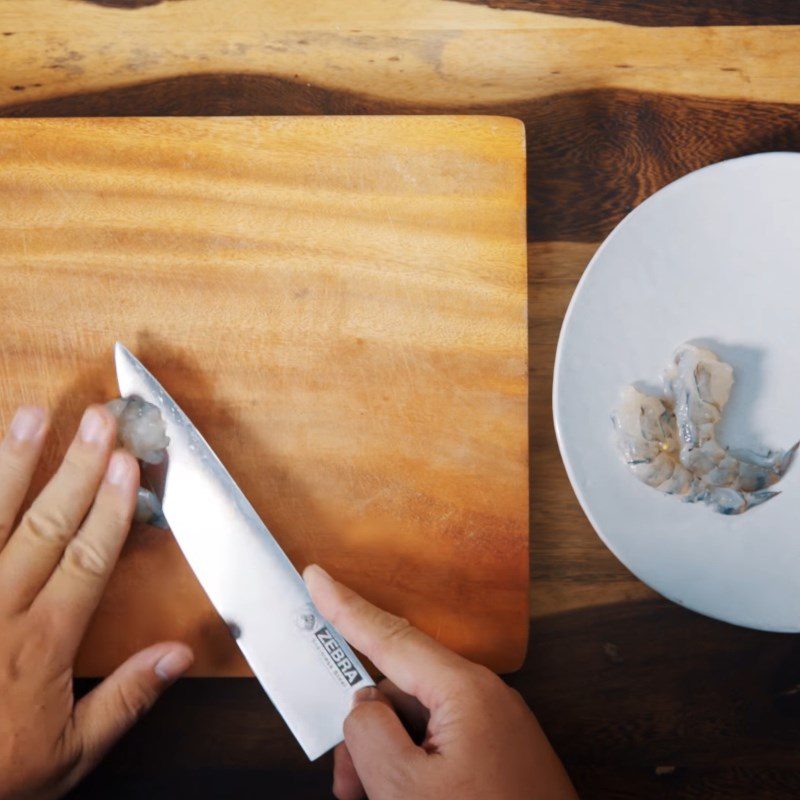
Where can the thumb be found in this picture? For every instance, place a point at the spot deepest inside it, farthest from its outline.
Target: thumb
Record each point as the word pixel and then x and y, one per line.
pixel 379 745
pixel 125 696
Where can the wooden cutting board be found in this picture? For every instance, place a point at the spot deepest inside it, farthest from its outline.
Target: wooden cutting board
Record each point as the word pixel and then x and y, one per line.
pixel 339 304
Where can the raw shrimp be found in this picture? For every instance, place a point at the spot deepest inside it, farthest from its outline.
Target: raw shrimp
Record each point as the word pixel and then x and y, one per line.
pixel 142 432
pixel 148 509
pixel 140 429
pixel 646 437
pixel 672 446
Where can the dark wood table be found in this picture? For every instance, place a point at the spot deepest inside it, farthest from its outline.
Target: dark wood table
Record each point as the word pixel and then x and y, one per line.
pixel 642 699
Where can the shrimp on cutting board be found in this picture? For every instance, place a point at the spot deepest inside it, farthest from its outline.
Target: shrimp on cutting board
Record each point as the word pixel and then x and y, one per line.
pixel 143 433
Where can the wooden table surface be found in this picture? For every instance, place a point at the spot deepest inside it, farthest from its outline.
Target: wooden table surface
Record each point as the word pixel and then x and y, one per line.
pixel 641 698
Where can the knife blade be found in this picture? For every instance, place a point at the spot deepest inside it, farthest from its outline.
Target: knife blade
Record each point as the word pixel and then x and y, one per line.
pixel 304 665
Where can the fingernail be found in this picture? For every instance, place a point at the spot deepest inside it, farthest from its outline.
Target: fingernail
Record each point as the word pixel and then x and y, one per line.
pixel 367 695
pixel 92 426
pixel 119 469
pixel 318 569
pixel 173 664
pixel 27 422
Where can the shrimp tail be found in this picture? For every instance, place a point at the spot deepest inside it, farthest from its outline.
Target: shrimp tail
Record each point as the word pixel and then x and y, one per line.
pixel 729 501
pixel 148 509
pixel 787 459
pixel 757 498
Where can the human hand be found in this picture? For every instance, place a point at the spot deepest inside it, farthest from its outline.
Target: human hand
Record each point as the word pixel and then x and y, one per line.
pixel 53 569
pixel 479 740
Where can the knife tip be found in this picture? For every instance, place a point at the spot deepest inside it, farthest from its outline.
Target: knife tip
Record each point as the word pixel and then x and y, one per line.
pixel 123 361
pixel 122 354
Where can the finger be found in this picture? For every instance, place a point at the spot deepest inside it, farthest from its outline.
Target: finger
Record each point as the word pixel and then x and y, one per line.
pixel 75 588
pixel 413 714
pixel 346 783
pixel 379 746
pixel 20 451
pixel 124 697
pixel 417 664
pixel 36 546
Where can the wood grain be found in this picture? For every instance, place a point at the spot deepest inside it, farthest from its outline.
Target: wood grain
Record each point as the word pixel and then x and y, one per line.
pixel 437 60
pixel 337 303
pixel 570 569
pixel 656 13
pixel 592 156
pixel 717 703
pixel 185 18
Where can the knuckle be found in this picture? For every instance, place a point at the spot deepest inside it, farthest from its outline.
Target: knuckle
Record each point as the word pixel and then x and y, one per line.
pixel 133 700
pixel 352 603
pixel 82 461
pixel 108 516
pixel 74 461
pixel 48 525
pixel 85 559
pixel 395 630
pixel 482 680
pixel 116 511
pixel 514 702
pixel 351 606
pixel 14 468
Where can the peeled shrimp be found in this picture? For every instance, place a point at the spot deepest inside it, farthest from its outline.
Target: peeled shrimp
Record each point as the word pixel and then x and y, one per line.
pixel 142 432
pixel 140 428
pixel 671 444
pixel 646 437
pixel 148 509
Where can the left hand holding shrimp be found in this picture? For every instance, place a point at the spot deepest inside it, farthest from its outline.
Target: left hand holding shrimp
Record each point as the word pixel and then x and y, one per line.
pixel 53 568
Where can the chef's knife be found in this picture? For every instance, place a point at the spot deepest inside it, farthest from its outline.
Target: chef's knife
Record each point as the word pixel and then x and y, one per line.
pixel 304 665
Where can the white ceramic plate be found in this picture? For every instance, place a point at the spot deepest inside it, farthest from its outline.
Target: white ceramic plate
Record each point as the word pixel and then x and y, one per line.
pixel 712 258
